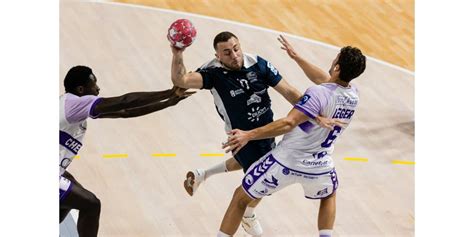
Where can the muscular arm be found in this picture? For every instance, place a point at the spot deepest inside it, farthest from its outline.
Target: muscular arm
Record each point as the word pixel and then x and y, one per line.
pixel 290 93
pixel 314 73
pixel 239 138
pixel 138 103
pixel 141 110
pixel 278 127
pixel 179 77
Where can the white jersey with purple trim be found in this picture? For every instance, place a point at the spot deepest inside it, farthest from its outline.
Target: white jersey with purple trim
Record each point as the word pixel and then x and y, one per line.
pixel 308 147
pixel 73 113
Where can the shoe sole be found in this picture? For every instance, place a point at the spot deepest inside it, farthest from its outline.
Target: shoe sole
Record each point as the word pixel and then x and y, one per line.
pixel 189 182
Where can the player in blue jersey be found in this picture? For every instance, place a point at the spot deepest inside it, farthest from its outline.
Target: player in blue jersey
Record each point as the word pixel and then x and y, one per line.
pixel 304 154
pixel 239 83
pixel 80 102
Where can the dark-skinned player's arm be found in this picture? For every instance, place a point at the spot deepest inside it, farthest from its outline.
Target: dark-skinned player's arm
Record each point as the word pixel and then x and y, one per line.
pixel 138 103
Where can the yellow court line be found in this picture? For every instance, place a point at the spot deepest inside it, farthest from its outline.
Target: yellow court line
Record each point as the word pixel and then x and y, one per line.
pixel 108 156
pixel 402 162
pixel 163 155
pixel 76 157
pixel 212 154
pixel 356 159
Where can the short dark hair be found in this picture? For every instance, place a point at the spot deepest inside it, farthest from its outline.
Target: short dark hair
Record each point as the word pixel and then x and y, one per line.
pixel 77 76
pixel 351 63
pixel 223 37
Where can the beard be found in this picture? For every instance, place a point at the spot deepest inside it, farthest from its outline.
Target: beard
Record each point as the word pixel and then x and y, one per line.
pixel 233 66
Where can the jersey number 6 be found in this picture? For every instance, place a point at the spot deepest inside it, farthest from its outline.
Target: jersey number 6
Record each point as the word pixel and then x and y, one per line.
pixel 331 137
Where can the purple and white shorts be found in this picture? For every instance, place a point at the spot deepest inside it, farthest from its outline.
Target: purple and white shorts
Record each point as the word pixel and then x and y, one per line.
pixel 267 176
pixel 65 186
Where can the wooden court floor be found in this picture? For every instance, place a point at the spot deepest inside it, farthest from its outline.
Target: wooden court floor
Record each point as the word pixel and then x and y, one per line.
pixel 141 192
pixel 384 29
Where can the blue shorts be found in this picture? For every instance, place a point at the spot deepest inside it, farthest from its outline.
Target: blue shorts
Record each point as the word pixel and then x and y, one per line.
pixel 253 151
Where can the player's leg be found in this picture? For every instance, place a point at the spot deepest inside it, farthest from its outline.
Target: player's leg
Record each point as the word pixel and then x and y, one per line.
pixel 327 215
pixel 249 157
pixel 89 209
pixel 63 212
pixel 250 222
pixel 195 177
pixel 235 212
pixel 324 188
pixel 250 209
pixel 231 164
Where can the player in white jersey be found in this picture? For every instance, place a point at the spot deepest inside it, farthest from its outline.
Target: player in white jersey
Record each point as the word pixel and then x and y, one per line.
pixel 304 154
pixel 80 102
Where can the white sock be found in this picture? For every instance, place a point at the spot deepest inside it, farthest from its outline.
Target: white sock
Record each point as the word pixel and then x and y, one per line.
pixel 222 234
pixel 217 169
pixel 249 211
pixel 325 233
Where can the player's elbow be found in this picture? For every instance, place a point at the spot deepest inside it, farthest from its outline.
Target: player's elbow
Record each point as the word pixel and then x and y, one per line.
pixel 289 124
pixel 181 81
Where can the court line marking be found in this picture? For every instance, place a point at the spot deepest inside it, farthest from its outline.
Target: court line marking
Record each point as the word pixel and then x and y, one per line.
pixel 402 162
pixel 111 156
pixel 252 27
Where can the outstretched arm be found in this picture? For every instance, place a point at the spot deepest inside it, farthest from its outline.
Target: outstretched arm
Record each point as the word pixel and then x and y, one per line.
pixel 138 103
pixel 179 77
pixel 314 73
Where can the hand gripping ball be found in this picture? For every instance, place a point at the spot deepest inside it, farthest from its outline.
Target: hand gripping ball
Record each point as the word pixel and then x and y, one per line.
pixel 181 33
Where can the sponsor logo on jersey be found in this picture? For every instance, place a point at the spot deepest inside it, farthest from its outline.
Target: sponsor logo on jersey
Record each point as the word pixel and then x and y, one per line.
pixel 69 142
pixel 272 68
pixel 305 99
pixel 320 155
pixel 252 76
pixel 316 163
pixel 347 101
pixel 235 93
pixel 285 171
pixel 254 99
pixel 255 113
